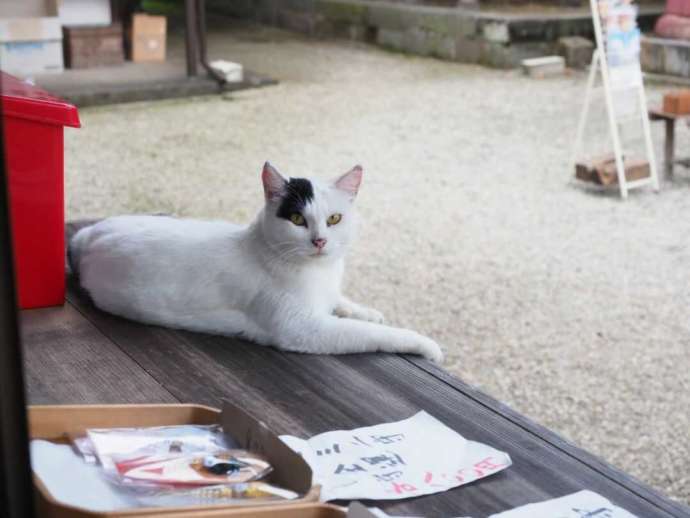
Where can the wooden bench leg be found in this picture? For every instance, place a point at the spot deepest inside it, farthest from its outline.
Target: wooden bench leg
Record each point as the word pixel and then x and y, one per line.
pixel 669 148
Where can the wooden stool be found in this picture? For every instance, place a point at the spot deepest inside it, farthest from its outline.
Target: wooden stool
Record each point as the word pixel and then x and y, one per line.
pixel 657 114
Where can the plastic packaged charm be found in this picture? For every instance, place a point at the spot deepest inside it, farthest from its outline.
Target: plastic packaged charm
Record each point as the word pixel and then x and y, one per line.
pixel 162 440
pixel 220 467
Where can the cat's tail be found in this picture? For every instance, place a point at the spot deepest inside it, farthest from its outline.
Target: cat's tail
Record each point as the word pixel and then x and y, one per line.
pixel 75 247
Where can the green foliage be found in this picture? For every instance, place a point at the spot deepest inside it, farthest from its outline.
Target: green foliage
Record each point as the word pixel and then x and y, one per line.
pixel 164 7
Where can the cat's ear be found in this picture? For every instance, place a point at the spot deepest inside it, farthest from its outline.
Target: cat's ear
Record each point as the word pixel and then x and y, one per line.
pixel 350 181
pixel 274 183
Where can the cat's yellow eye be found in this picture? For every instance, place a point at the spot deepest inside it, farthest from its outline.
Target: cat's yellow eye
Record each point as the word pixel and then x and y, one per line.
pixel 334 219
pixel 298 220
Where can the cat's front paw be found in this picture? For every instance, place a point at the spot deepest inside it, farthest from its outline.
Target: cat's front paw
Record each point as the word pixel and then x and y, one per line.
pixel 428 348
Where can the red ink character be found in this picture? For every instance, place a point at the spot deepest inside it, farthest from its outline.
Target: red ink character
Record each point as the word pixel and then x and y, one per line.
pixel 486 466
pixel 402 487
pixel 428 477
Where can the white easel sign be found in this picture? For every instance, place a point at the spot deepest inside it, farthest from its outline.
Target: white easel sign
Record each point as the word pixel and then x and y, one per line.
pixel 617 60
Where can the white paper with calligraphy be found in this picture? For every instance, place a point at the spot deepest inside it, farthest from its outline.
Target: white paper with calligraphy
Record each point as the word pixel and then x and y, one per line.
pixel 417 456
pixel 584 504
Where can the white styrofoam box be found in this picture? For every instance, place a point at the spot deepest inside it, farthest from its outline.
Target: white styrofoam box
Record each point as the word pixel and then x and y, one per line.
pixel 76 13
pixel 27 8
pixel 232 72
pixel 544 66
pixel 30 46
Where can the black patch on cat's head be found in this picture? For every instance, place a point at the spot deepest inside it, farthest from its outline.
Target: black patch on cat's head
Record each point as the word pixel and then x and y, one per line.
pixel 298 192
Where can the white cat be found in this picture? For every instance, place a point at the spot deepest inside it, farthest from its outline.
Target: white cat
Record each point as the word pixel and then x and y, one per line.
pixel 275 282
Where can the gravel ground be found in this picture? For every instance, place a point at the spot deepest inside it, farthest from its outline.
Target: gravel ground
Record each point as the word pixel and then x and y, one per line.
pixel 562 301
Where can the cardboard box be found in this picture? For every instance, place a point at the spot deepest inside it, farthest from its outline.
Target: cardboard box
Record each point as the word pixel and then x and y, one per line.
pixel 290 471
pixel 602 170
pixel 78 13
pixel 678 102
pixel 87 47
pixel 31 46
pixel 147 37
pixel 634 170
pixel 590 170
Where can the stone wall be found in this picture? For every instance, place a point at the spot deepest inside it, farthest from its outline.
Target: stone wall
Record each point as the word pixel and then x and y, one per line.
pixel 459 34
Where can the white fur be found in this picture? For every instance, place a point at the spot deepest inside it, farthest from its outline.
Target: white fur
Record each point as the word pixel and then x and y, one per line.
pixel 262 282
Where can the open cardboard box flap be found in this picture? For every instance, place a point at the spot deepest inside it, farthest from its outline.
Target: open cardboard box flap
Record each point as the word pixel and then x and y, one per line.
pixel 289 468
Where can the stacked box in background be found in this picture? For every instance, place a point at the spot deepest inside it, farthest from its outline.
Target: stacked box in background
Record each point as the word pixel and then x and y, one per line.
pixel 87 47
pixel 39 36
pixel 81 13
pixel 30 37
pixel 146 38
pixel 91 39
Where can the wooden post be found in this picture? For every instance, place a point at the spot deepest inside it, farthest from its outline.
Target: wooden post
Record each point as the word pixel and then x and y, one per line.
pixel 669 148
pixel 191 39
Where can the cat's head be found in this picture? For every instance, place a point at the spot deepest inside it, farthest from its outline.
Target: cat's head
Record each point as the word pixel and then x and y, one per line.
pixel 306 219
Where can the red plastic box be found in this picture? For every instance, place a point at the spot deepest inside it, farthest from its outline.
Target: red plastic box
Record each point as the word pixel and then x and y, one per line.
pixel 33 121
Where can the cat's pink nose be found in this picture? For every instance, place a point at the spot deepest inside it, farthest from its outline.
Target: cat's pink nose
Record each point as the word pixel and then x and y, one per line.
pixel 319 243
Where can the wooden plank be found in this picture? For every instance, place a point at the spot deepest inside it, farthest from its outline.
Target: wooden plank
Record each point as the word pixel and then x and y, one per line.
pixel 67 360
pixel 309 394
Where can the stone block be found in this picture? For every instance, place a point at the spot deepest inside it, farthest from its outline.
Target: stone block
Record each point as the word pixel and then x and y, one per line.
pixel 437 20
pixel 510 56
pixel 391 39
pixel 468 50
pixel 466 25
pixel 346 30
pixel 346 11
pixel 496 32
pixel 297 21
pixel 388 16
pixel 544 66
pixel 576 50
pixel 424 42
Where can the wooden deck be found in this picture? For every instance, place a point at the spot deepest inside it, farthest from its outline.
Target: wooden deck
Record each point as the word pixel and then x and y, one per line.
pixel 78 354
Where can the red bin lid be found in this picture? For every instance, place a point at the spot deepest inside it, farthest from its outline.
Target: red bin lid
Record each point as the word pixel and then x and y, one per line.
pixel 26 101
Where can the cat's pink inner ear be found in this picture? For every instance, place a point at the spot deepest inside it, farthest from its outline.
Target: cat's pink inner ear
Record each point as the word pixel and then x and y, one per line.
pixel 274 183
pixel 350 181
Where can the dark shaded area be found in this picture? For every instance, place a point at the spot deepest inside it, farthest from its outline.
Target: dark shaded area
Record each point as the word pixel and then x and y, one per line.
pixel 16 494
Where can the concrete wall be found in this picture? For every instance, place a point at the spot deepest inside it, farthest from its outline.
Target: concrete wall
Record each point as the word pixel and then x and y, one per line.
pixel 459 34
